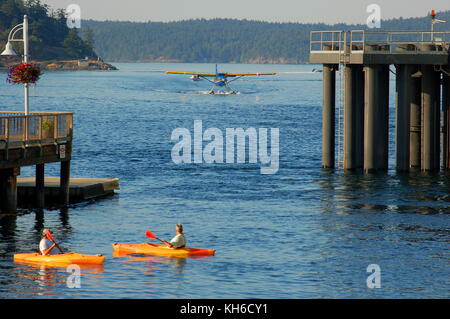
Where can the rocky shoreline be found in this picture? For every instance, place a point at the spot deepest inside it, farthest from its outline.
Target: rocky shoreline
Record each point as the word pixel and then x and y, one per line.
pixel 67 65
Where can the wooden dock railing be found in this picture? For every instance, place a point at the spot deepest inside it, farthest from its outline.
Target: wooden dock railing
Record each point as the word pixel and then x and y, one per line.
pixel 19 130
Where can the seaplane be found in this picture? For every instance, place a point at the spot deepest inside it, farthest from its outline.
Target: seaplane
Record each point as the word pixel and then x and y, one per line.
pixel 220 81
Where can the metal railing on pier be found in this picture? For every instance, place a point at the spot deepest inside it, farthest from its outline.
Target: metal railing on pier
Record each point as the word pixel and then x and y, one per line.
pixel 360 41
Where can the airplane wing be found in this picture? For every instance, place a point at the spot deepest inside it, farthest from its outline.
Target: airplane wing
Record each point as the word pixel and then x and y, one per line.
pixel 247 74
pixel 191 73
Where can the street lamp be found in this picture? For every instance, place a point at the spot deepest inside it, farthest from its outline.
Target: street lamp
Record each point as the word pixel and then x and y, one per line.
pixel 10 51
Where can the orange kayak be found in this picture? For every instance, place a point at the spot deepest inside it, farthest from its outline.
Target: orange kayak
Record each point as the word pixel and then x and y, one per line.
pixel 61 259
pixel 161 250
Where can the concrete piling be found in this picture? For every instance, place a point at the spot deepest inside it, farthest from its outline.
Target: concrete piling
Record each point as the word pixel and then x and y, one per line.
pixel 370 118
pixel 376 118
pixel 328 116
pixel 353 117
pixel 349 119
pixel 65 182
pixel 429 111
pixel 415 135
pixel 403 115
pixel 422 68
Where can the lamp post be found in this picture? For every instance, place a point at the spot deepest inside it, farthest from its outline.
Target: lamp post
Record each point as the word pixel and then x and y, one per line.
pixel 9 51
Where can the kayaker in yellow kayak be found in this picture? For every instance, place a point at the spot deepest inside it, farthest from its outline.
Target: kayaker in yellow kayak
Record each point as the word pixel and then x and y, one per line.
pixel 179 241
pixel 47 244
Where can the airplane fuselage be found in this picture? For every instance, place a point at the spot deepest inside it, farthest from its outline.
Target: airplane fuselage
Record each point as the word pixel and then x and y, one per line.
pixel 220 79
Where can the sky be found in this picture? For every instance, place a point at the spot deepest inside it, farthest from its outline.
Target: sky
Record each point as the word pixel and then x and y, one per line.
pixel 311 11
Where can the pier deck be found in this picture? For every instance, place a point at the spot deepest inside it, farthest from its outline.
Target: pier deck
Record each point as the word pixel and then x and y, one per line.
pixel 378 47
pixel 80 189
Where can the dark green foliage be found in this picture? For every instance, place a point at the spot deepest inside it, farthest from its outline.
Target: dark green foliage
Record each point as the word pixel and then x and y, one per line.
pixel 50 38
pixel 221 40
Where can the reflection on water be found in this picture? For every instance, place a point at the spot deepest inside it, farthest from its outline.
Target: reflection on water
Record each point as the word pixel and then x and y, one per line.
pixel 44 280
pixel 176 263
pixel 414 193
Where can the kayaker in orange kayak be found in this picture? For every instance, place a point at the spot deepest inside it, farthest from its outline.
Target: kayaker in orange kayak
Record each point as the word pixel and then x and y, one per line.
pixel 179 241
pixel 47 244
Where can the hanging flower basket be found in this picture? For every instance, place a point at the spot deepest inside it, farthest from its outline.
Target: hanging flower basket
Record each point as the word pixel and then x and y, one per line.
pixel 24 73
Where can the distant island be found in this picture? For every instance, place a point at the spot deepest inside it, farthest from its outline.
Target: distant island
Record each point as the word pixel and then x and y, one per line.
pixel 52 44
pixel 222 40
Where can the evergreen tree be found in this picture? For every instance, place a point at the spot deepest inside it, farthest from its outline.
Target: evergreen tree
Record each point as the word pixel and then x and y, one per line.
pixel 49 35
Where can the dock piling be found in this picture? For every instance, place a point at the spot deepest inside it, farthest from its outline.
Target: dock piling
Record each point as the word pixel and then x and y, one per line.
pixel 8 189
pixel 40 185
pixel 446 119
pixel 420 64
pixel 328 115
pixel 404 90
pixel 430 126
pixel 65 182
pixel 415 136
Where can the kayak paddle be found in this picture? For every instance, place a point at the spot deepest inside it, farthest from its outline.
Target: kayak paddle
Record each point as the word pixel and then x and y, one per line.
pixel 149 234
pixel 50 236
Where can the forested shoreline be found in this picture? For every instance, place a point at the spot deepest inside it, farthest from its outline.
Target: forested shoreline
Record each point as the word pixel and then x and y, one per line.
pixel 221 40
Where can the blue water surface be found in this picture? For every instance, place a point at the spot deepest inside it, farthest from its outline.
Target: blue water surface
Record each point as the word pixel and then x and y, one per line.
pixel 301 233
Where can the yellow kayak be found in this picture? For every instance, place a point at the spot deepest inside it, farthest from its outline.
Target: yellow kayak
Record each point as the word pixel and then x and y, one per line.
pixel 61 259
pixel 162 250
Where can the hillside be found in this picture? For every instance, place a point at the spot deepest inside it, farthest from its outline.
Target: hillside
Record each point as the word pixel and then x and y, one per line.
pixel 221 40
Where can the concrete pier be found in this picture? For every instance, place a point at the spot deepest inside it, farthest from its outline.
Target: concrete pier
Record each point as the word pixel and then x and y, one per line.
pixel 328 116
pixel 419 66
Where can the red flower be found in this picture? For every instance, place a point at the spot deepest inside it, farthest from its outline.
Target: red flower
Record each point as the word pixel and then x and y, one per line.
pixel 24 73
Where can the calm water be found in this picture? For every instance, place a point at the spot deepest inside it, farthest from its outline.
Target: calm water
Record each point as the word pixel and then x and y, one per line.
pixel 302 233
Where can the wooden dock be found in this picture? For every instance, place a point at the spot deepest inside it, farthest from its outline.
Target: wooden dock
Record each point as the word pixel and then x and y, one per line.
pixel 34 139
pixel 80 189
